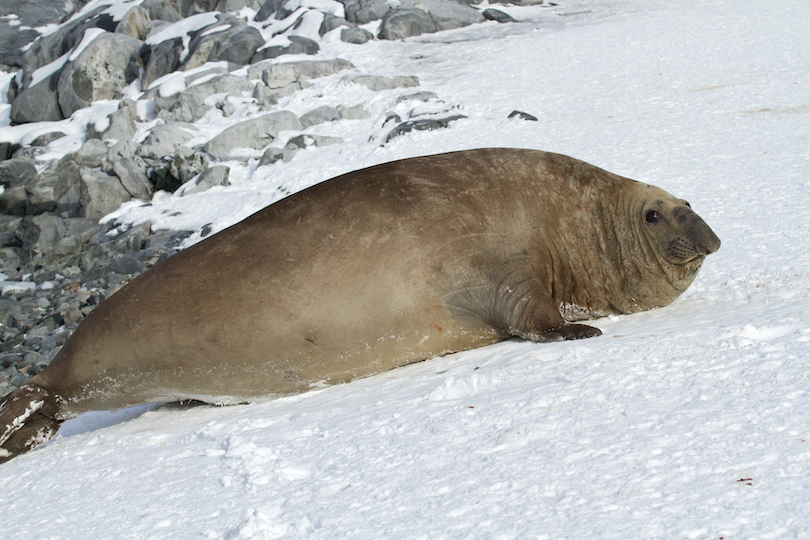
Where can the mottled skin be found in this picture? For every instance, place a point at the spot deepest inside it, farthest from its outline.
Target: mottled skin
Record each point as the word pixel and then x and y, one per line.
pixel 372 270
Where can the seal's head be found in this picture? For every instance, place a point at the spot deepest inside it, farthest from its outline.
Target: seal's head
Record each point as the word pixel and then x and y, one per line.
pixel 671 243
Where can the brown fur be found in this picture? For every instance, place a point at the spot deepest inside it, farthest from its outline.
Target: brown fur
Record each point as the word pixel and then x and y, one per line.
pixel 376 269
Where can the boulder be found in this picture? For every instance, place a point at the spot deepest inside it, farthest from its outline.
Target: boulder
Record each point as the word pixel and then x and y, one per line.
pixel 427 124
pixel 279 75
pixel 401 23
pixel 319 116
pixel 134 23
pixel 162 141
pixel 14 174
pixel 102 71
pixel 365 11
pixel 159 60
pixel 237 45
pixel 215 176
pixel 100 193
pixel 255 133
pixel 447 14
pixel 38 103
pixel 305 141
pixel 298 45
pixel 497 16
pixel 132 174
pixel 191 104
pixel 40 233
pixel 119 126
pixel 355 35
pixel 188 163
pixel 377 83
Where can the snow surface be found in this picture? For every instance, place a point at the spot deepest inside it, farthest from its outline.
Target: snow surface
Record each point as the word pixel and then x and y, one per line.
pixel 688 422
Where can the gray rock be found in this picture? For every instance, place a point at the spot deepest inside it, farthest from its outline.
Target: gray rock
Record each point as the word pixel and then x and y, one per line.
pixel 298 45
pixel 401 23
pixel 427 124
pixel 268 8
pixel 55 189
pixel 524 2
pixel 120 124
pixel 159 60
pixel 126 265
pixel 365 11
pixel 90 154
pixel 330 22
pixel 355 112
pixel 134 23
pixel 305 141
pixel 188 163
pixel 164 10
pixel 100 193
pixel 40 233
pixel 68 250
pixel 132 174
pixel 279 75
pixel 264 96
pixel 190 105
pixel 358 36
pixel 319 116
pixel 417 96
pixel 523 116
pixel 215 176
pixel 14 174
pixel 10 259
pixel 447 14
pixel 237 45
pixel 377 83
pixel 46 138
pixel 39 103
pixel 162 141
pixel 272 155
pixel 497 16
pixel 102 71
pixel 255 133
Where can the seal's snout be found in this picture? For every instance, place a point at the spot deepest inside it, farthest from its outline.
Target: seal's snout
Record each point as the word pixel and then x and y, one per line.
pixel 706 242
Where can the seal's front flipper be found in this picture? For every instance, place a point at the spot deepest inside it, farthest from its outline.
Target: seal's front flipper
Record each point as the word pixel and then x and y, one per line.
pixel 562 332
pixel 27 419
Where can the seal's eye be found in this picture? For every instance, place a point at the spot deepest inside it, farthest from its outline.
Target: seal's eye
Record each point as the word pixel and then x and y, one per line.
pixel 687 204
pixel 653 217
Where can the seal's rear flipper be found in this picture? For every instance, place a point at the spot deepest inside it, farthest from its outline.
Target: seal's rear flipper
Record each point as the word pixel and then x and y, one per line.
pixel 27 419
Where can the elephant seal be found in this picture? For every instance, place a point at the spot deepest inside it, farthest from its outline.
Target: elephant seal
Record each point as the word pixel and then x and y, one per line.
pixel 369 271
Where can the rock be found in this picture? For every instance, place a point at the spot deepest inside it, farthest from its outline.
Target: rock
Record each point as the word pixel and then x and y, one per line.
pixel 330 22
pixel 188 163
pixel 417 96
pixel 90 154
pixel 191 104
pixel 102 71
pixel 498 16
pixel 447 14
pixel 68 250
pixel 358 36
pixel 255 133
pixel 132 174
pixel 365 11
pixel 14 174
pixel 215 176
pixel 524 2
pixel 356 112
pixel 276 76
pixel 164 10
pixel 421 125
pixel 134 23
pixel 237 45
pixel 377 83
pixel 46 138
pixel 401 23
pixel 40 233
pixel 55 189
pixel 100 193
pixel 298 45
pixel 162 141
pixel 120 125
pixel 272 155
pixel 523 116
pixel 268 8
pixel 319 116
pixel 159 60
pixel 305 141
pixel 38 103
pixel 126 265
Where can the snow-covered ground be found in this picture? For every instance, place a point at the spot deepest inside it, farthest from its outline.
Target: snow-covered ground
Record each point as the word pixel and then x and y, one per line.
pixel 688 422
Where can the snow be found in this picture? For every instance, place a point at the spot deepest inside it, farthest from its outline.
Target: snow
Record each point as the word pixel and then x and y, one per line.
pixel 687 422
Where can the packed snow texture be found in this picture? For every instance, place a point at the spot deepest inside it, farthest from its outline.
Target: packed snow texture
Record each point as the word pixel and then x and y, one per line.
pixel 687 422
